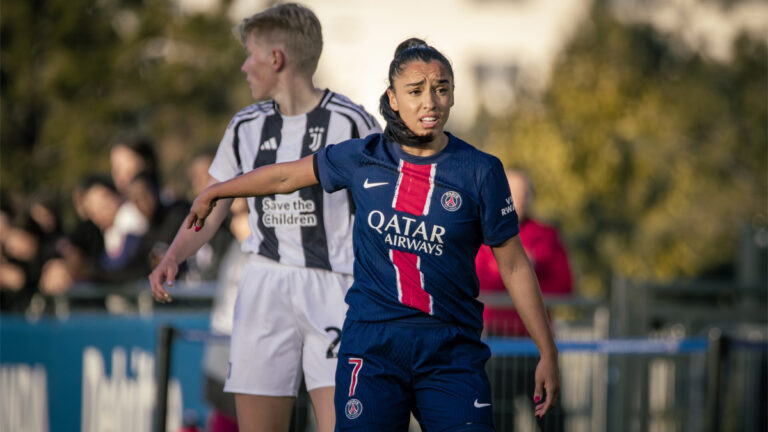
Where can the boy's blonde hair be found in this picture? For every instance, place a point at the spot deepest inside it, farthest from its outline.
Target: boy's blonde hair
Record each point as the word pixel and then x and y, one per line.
pixel 292 24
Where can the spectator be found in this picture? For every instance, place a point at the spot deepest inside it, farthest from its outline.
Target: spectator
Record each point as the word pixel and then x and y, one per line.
pixel 197 172
pixel 121 224
pixel 78 252
pixel 204 264
pixel 128 157
pixel 164 220
pixel 20 262
pixel 45 211
pixel 132 245
pixel 550 262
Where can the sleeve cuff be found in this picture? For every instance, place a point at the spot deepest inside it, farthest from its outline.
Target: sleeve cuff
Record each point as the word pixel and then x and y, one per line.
pixel 315 168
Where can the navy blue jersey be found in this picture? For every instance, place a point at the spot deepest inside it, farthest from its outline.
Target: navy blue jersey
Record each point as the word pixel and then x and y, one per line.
pixel 419 223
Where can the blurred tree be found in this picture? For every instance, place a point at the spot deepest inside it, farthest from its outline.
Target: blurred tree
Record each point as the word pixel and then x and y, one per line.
pixel 75 74
pixel 649 159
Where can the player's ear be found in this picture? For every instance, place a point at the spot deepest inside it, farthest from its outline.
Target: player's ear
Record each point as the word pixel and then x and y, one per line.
pixel 392 99
pixel 278 60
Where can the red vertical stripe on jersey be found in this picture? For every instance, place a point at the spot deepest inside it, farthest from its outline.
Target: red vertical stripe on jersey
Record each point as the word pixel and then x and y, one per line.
pixel 410 281
pixel 414 188
pixel 358 362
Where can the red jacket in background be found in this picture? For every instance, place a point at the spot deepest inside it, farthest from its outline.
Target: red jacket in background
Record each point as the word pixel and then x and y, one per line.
pixel 550 262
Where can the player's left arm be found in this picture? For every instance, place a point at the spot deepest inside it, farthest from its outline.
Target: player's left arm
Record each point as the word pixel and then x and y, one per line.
pixel 520 280
pixel 280 178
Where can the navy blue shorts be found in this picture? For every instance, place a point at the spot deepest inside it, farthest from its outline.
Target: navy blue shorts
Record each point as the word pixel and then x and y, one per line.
pixel 435 370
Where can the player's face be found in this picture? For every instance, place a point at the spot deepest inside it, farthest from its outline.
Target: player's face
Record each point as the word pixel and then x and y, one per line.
pixel 259 69
pixel 423 95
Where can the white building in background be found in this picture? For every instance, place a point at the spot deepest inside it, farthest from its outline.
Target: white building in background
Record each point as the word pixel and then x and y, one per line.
pixel 497 47
pixel 707 27
pixel 494 45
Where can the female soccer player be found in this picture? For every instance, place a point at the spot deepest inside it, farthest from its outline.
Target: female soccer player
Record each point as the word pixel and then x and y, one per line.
pixel 425 202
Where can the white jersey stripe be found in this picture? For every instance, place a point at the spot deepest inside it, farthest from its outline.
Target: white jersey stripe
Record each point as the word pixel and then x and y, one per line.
pixel 432 171
pixel 397 276
pixel 354 111
pixel 291 252
pixel 397 186
pixel 423 285
pixel 344 102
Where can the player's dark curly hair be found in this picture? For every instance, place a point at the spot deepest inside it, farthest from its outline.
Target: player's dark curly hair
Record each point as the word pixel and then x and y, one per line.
pixel 409 50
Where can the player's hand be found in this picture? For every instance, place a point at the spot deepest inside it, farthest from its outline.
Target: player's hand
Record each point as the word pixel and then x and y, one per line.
pixel 164 273
pixel 201 208
pixel 547 382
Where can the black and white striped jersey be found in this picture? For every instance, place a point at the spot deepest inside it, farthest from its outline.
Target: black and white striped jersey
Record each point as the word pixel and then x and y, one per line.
pixel 310 227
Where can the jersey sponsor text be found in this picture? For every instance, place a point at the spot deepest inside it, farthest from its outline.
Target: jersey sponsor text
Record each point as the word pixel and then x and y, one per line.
pixel 407 233
pixel 509 208
pixel 296 212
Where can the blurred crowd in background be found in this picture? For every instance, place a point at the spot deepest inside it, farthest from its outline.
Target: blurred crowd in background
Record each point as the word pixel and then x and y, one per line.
pixel 122 225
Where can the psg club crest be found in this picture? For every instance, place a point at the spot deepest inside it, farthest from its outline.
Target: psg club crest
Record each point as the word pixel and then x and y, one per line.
pixel 353 409
pixel 451 201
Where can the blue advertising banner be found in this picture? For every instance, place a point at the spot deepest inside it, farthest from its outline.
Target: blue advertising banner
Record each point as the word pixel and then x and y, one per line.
pixel 95 372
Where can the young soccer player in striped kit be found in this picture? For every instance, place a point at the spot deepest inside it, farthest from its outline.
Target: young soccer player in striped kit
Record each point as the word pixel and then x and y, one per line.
pixel 425 201
pixel 290 304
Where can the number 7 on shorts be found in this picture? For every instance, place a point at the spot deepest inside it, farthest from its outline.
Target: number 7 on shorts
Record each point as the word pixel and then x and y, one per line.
pixel 358 362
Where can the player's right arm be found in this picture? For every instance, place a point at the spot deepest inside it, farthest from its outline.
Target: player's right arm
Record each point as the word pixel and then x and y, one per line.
pixel 185 243
pixel 279 178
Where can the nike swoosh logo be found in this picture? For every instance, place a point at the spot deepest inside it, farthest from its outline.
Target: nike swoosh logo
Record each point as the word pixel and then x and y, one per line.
pixel 481 405
pixel 368 185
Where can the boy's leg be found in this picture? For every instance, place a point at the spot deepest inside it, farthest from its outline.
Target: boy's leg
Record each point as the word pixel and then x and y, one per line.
pixel 318 302
pixel 265 348
pixel 263 413
pixel 322 402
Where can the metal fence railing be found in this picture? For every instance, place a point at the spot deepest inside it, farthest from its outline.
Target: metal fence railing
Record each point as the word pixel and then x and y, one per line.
pixel 637 384
pixel 677 371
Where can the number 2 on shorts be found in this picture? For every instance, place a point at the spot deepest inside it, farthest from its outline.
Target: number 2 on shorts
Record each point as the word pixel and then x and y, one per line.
pixel 331 353
pixel 358 362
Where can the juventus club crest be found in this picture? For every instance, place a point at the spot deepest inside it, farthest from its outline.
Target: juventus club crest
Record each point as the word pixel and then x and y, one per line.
pixel 317 137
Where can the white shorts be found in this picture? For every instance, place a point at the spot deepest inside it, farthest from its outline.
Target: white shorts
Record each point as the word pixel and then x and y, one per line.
pixel 287 319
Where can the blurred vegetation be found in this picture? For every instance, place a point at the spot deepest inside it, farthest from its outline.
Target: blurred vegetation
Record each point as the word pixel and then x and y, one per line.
pixel 76 74
pixel 650 160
